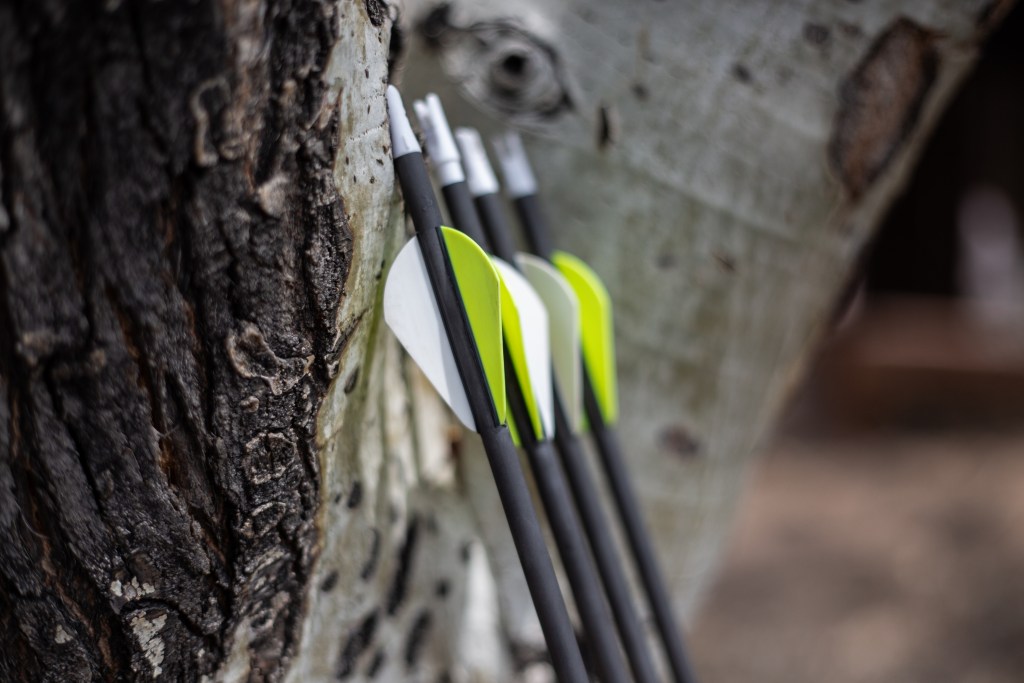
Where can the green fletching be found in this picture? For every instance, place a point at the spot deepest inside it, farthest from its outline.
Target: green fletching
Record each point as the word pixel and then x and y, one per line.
pixel 598 335
pixel 513 335
pixel 480 288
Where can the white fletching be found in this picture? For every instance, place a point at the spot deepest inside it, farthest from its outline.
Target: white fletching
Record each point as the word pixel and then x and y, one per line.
pixel 564 331
pixel 533 319
pixel 411 312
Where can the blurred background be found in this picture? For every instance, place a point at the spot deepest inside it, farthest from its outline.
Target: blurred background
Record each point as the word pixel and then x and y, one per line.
pixel 882 539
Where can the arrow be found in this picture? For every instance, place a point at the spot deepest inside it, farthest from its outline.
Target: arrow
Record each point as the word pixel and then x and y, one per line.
pixel 485 189
pixel 599 393
pixel 534 419
pixel 524 315
pixel 466 292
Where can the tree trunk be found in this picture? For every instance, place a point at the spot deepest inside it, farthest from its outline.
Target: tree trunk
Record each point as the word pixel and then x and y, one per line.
pixel 721 165
pixel 214 462
pixel 176 248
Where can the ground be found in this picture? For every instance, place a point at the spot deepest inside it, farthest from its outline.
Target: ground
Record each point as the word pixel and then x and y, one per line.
pixel 874 557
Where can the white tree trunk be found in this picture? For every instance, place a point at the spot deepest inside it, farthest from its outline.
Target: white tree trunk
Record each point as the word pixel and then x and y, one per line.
pixel 720 164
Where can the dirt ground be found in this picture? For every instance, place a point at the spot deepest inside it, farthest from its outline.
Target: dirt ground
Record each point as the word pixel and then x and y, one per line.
pixel 875 558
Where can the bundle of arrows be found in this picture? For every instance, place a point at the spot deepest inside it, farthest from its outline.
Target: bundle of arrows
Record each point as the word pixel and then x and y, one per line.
pixel 527 337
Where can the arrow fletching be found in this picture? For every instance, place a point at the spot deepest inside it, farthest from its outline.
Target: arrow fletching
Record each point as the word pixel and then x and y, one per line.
pixel 597 330
pixel 411 311
pixel 563 331
pixel 525 327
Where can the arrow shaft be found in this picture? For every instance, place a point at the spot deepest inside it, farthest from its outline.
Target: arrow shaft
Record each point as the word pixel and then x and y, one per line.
pixel 460 207
pixel 572 548
pixel 551 485
pixel 533 555
pixel 534 223
pixel 613 577
pixel 584 491
pixel 610 454
pixel 492 215
pixel 501 453
pixel 609 450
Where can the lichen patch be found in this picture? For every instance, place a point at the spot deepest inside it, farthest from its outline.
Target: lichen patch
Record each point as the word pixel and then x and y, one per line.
pixel 146 631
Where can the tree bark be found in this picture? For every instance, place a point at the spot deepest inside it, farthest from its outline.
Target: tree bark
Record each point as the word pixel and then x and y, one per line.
pixel 174 249
pixel 214 462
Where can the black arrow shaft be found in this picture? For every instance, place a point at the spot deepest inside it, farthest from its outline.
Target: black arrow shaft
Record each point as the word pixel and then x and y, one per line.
pixel 551 485
pixel 501 453
pixel 534 224
pixel 613 576
pixel 585 495
pixel 463 214
pixel 572 547
pixel 610 455
pixel 535 228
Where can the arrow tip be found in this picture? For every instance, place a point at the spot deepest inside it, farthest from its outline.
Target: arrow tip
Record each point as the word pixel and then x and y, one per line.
pixel 403 140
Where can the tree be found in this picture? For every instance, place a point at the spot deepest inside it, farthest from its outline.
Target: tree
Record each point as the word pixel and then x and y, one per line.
pixel 216 465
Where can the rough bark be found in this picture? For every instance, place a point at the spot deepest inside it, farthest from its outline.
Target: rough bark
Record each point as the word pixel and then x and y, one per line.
pixel 214 462
pixel 173 253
